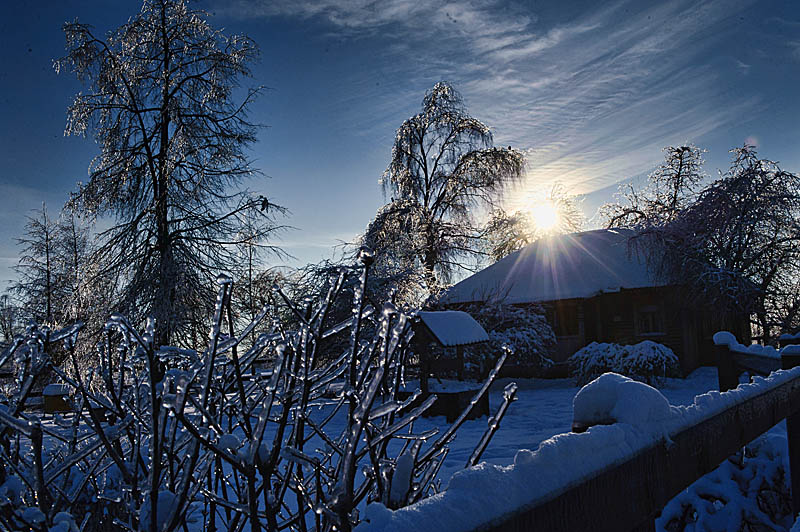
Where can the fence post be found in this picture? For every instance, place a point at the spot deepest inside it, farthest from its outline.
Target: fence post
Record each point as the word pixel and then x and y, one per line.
pixel 726 369
pixel 790 358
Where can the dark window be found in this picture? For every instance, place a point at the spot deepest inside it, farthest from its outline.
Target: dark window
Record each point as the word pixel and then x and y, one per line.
pixel 649 320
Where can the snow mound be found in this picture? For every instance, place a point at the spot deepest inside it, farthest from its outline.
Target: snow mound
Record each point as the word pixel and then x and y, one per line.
pixel 727 338
pixel 613 398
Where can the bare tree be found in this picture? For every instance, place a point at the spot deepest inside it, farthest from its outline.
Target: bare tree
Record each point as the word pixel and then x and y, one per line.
pixel 217 444
pixel 160 100
pixel 37 268
pixel 735 244
pixel 443 167
pixel 672 186
pixel 9 319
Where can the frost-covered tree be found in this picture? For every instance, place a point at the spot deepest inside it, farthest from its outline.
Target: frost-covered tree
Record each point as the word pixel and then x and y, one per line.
pixel 37 287
pixel 394 235
pixel 162 101
pixel 735 244
pixel 507 232
pixel 9 319
pixel 443 167
pixel 522 330
pixel 73 246
pixel 671 187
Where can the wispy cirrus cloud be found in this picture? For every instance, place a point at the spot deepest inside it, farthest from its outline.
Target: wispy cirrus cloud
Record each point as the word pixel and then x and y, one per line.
pixel 593 93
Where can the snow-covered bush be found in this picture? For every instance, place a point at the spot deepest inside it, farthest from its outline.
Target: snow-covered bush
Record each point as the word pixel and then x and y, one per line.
pixel 749 491
pixel 646 361
pixel 523 330
pixel 162 437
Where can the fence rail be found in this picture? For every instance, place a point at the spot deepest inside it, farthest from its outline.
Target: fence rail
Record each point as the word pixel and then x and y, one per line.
pixel 630 495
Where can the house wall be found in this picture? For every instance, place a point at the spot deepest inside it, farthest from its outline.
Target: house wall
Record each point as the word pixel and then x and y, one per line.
pixel 631 316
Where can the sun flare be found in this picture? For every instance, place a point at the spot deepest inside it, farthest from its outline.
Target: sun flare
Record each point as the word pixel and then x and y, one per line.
pixel 545 216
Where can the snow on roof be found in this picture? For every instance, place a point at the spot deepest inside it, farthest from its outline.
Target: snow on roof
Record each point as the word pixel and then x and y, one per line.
pixel 453 327
pixel 577 265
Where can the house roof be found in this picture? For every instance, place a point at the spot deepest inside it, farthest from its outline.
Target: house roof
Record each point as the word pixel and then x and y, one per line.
pixel 577 265
pixel 453 327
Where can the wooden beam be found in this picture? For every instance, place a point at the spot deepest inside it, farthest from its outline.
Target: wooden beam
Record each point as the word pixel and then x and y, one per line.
pixel 789 361
pixel 759 365
pixel 628 495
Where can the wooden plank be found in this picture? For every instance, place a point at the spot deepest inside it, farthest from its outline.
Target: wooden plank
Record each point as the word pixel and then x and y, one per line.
pixel 626 496
pixel 727 373
pixel 755 364
pixel 789 361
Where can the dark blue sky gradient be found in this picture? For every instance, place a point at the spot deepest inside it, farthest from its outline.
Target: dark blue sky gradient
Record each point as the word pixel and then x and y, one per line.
pixel 593 91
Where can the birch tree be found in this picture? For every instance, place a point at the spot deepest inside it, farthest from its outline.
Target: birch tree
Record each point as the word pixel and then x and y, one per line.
pixel 444 167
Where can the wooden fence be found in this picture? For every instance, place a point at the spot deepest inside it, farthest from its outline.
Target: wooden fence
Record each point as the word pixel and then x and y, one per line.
pixel 630 495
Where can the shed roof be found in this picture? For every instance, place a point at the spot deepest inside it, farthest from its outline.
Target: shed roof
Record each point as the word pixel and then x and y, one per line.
pixel 577 265
pixel 453 327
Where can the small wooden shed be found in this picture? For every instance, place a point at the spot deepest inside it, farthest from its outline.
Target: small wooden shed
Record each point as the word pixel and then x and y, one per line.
pixel 445 329
pixel 448 329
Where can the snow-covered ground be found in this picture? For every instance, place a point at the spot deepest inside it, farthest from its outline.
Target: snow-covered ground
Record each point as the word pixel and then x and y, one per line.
pixel 543 409
pixel 741 494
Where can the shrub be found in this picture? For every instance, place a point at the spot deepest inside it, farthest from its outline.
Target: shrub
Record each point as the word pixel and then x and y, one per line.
pixel 646 361
pixel 522 330
pixel 160 437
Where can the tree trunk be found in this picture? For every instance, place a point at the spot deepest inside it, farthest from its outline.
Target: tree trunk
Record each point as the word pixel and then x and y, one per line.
pixel 164 306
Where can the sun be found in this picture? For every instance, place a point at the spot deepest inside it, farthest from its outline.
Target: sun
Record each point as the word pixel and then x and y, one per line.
pixel 545 216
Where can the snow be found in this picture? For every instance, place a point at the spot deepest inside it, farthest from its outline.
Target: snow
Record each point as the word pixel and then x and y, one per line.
pixel 577 265
pixel 453 327
pixel 791 350
pixel 613 398
pixel 401 478
pixel 166 501
pixel 229 441
pixel 33 516
pixel 491 491
pixel 727 338
pixel 445 385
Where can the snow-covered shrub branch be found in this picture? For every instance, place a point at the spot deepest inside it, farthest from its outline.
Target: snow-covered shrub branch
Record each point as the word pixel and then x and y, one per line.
pixel 646 361
pixel 523 330
pixel 275 436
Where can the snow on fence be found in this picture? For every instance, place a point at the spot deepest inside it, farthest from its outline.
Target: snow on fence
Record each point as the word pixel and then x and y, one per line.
pixel 617 476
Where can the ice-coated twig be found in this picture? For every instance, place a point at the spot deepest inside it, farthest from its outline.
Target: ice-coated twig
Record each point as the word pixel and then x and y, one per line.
pixel 509 396
pixel 450 433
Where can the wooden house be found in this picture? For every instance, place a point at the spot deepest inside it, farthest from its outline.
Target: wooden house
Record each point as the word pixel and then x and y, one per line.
pixel 593 287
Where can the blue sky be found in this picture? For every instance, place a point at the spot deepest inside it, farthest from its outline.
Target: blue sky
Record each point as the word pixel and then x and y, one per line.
pixel 591 90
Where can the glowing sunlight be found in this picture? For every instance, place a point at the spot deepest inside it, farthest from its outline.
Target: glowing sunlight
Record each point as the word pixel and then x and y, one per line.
pixel 545 216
